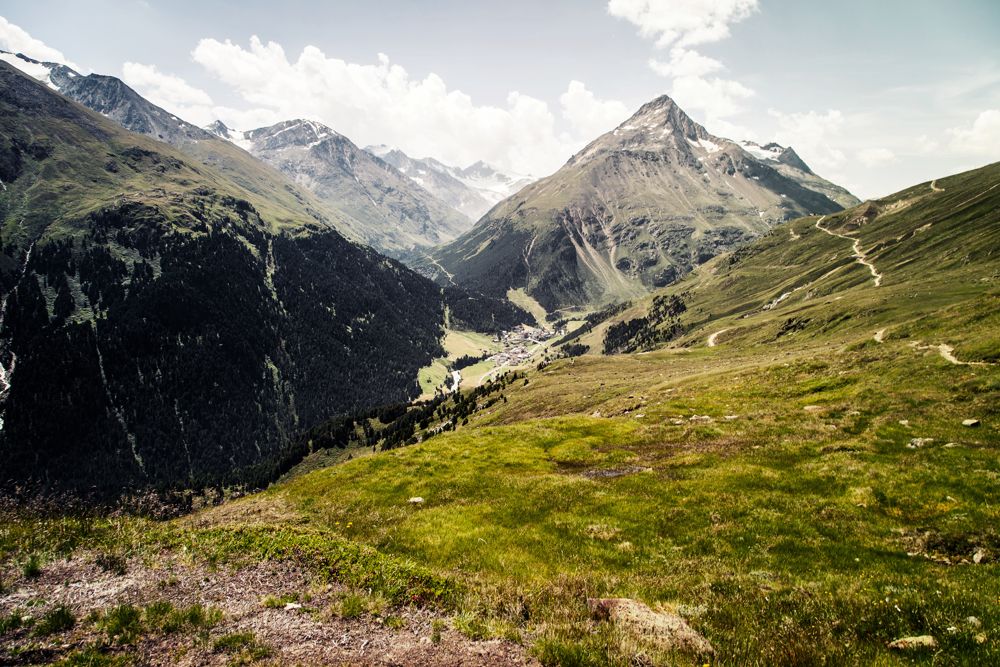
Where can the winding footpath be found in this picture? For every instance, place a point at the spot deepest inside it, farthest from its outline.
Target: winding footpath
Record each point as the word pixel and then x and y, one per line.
pixel 859 254
pixel 947 353
pixel 711 342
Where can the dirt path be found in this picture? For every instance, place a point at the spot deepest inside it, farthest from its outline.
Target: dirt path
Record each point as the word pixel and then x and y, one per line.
pixel 859 254
pixel 307 632
pixel 711 341
pixel 947 353
pixel 451 278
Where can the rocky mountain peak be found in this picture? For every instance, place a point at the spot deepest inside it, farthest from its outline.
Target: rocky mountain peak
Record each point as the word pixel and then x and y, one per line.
pixel 219 129
pixel 298 132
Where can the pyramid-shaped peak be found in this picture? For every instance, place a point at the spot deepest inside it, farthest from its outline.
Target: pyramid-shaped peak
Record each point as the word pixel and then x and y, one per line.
pixel 663 113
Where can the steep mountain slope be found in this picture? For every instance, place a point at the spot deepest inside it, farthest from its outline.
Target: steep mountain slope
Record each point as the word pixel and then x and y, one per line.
pixel 899 267
pixel 282 201
pixel 367 201
pixel 388 210
pixel 634 210
pixel 438 179
pixel 158 325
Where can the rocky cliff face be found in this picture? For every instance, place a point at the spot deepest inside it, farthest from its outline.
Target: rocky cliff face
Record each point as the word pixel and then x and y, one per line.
pixel 634 210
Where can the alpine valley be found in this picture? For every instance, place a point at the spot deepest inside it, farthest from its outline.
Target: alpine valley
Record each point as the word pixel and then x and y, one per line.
pixel 269 398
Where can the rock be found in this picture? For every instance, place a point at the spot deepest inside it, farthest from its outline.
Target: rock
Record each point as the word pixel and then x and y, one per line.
pixel 666 631
pixel 911 643
pixel 973 622
pixel 971 423
pixel 917 443
pixel 813 408
pixel 595 414
pixel 951 445
pixel 416 500
pixel 978 557
pixel 677 422
pixel 904 422
pixel 292 606
pixel 730 418
pixel 700 418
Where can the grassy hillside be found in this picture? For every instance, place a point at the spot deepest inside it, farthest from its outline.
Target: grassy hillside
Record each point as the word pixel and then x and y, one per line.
pixel 802 491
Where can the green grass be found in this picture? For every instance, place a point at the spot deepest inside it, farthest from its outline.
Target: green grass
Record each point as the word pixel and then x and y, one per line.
pixel 57 619
pixel 782 534
pixel 242 647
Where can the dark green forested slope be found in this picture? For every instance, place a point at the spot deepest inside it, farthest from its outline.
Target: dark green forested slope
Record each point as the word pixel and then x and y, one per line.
pixel 159 326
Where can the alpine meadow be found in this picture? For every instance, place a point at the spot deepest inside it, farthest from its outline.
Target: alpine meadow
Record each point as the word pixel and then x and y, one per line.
pixel 617 332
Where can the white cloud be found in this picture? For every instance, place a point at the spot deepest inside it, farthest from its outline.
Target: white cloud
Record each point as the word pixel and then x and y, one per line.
pixel 924 144
pixel 381 103
pixel 876 157
pixel 981 138
pixel 815 136
pixel 686 22
pixel 685 62
pixel 680 24
pixel 165 90
pixel 718 98
pixel 587 115
pixel 17 40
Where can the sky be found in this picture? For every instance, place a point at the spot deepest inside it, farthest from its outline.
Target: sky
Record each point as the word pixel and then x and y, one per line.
pixel 875 96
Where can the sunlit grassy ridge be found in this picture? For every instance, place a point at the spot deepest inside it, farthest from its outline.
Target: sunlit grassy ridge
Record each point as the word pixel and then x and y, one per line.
pixel 803 494
pixel 784 532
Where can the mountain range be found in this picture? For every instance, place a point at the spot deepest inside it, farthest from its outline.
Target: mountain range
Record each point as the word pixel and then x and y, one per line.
pixel 383 207
pixel 366 199
pixel 634 210
pixel 473 190
pixel 166 321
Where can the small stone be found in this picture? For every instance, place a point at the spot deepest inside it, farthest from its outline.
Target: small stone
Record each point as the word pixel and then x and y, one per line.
pixel 640 415
pixel 677 422
pixel 951 445
pixel 595 413
pixel 416 500
pixel 910 643
pixel 971 423
pixel 917 443
pixel 730 418
pixel 292 606
pixel 700 418
pixel 978 557
pixel 904 422
pixel 973 622
pixel 813 408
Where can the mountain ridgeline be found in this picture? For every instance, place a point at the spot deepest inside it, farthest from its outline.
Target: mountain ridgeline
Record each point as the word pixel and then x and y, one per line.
pixel 162 324
pixel 636 209
pixel 380 205
pixel 366 199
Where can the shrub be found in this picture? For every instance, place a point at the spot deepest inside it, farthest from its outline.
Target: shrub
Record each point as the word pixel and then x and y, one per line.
pixel 32 568
pixel 113 563
pixel 242 646
pixel 123 624
pixel 11 623
pixel 57 619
